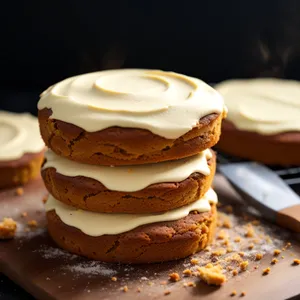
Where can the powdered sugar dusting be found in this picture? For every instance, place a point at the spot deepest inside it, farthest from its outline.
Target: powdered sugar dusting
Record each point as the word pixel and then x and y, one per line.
pixel 51 253
pixel 91 268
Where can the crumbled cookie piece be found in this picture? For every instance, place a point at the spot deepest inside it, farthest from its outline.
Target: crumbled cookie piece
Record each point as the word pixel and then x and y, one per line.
pixel 244 265
pixel 237 239
pixel 241 254
pixel 164 282
pixel 212 274
pixel 233 293
pixel 258 256
pixel 277 252
pixel 194 261
pixel 235 272
pixel 288 245
pixel 255 222
pixel 274 261
pixel 228 209
pixel 124 288
pixel 24 214
pixel 266 271
pixel 218 252
pixel 167 292
pixel 174 277
pixel 45 199
pixel 221 235
pixel 19 191
pixel 243 294
pixel 32 223
pixel 139 290
pixel 249 231
pixel 227 223
pixel 187 272
pixel 8 228
pixel 251 246
pixel 114 279
pixel 296 262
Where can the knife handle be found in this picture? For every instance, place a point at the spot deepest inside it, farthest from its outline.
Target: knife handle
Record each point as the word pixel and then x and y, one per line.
pixel 290 218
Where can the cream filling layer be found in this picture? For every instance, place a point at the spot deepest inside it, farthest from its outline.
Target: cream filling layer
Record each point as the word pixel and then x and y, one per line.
pixel 132 178
pixel 266 106
pixel 97 224
pixel 165 103
pixel 19 134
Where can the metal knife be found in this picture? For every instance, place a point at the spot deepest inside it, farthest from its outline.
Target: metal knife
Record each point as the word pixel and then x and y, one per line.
pixel 266 191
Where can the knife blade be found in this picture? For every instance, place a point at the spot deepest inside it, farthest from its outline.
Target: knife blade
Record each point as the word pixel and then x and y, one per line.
pixel 266 191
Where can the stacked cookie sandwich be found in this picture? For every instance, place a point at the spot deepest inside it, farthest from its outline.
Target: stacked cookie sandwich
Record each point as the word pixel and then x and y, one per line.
pixel 129 169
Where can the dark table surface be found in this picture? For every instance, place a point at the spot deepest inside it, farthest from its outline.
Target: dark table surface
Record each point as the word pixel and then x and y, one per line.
pixel 11 291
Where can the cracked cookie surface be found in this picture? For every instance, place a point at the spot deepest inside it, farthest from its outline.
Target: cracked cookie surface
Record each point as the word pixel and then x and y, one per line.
pixel 90 194
pixel 125 146
pixel 150 243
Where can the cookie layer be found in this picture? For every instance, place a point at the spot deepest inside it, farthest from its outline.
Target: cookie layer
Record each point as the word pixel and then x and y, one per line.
pixel 90 194
pixel 125 146
pixel 279 149
pixel 156 242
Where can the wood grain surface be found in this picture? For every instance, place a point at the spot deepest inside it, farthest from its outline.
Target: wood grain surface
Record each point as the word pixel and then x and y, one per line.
pixel 33 261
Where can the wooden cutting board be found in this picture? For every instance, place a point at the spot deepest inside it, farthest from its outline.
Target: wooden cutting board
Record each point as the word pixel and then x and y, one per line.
pixel 33 261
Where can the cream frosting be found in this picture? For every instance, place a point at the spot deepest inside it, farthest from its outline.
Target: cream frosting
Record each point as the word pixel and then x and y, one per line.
pixel 19 134
pixel 165 103
pixel 266 106
pixel 132 178
pixel 97 224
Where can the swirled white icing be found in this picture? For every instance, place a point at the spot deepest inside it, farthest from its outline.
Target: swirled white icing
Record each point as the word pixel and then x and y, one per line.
pixel 267 106
pixel 19 134
pixel 97 224
pixel 132 178
pixel 168 104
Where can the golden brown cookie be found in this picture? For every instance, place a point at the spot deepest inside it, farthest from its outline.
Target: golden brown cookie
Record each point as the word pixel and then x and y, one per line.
pixel 20 171
pixel 125 146
pixel 90 194
pixel 278 149
pixel 155 242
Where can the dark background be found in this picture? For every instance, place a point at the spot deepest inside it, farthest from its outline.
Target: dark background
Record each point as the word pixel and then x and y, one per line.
pixel 43 42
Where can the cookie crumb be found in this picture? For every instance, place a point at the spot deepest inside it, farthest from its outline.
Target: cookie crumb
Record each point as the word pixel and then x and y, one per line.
pixel 19 191
pixel 8 228
pixel 229 268
pixel 221 235
pixel 250 231
pixel 227 223
pixel 258 256
pixel 277 252
pixel 32 223
pixel 228 209
pixel 174 277
pixel 233 293
pixel 243 294
pixel 282 256
pixel 237 239
pixel 229 250
pixel 167 292
pixel 255 222
pixel 241 254
pixel 235 272
pixel 194 261
pixel 251 246
pixel 45 199
pixel 218 252
pixel 124 288
pixel 288 245
pixel 138 290
pixel 266 271
pixel 212 274
pixel 24 214
pixel 114 279
pixel 164 282
pixel 190 284
pixel 187 272
pixel 244 265
pixel 296 262
pixel 274 261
